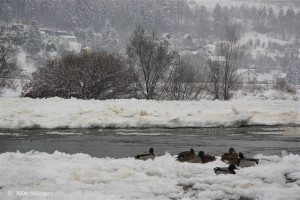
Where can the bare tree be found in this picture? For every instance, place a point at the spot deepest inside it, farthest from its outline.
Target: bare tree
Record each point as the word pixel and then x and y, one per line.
pixel 150 60
pixel 88 76
pixel 230 50
pixel 185 81
pixel 214 77
pixel 222 73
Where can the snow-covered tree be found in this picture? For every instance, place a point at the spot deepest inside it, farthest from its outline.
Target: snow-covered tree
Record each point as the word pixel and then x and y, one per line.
pixel 109 35
pixel 106 30
pixel 112 39
pixel 218 20
pixel 202 22
pixel 293 74
pixel 89 36
pixel 281 23
pixel 5 10
pixel 32 8
pixel 33 39
pixel 289 17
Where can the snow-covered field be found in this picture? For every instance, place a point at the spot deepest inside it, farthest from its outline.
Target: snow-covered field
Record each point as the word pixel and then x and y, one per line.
pixel 73 113
pixel 35 175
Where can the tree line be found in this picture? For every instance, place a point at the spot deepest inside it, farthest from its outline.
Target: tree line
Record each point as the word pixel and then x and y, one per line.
pixel 150 70
pixel 169 16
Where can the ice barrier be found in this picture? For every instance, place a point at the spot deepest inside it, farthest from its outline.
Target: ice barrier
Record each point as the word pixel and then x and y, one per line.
pixel 80 176
pixel 73 113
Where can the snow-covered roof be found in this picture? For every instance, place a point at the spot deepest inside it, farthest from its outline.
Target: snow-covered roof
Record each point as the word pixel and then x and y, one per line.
pixel 187 36
pixel 166 35
pixel 271 76
pixel 68 37
pixel 217 58
pixel 61 32
pixel 242 71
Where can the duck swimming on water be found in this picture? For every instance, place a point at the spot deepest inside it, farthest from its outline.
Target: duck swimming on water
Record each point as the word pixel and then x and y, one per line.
pixel 146 156
pixel 226 170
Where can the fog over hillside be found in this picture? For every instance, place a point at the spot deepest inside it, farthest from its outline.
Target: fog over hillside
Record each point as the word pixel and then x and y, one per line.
pixel 267 31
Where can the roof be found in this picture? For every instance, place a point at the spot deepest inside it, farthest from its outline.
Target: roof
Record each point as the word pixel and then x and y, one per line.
pixel 166 35
pixel 217 58
pixel 68 37
pixel 242 71
pixel 187 36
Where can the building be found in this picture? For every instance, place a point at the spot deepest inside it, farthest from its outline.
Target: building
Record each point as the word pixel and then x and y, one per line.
pixel 61 33
pixel 69 38
pixel 166 36
pixel 247 75
pixel 187 40
pixel 219 59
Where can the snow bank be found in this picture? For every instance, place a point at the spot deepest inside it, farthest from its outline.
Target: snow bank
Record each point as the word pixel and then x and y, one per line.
pixel 80 176
pixel 73 113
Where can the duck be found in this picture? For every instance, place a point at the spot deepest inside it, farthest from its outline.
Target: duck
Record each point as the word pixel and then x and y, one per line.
pixel 246 162
pixel 186 156
pixel 226 170
pixel 203 158
pixel 146 156
pixel 231 157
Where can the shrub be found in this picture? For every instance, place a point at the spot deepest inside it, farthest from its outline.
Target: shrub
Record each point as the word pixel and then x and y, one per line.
pixel 87 76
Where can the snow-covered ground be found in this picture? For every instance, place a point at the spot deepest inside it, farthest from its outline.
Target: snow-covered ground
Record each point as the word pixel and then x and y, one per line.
pixel 36 175
pixel 73 113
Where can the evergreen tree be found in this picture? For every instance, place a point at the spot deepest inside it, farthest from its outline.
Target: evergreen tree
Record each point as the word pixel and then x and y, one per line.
pixel 289 17
pixel 106 30
pixel 33 39
pixel 109 35
pixel 5 10
pixel 218 20
pixel 32 9
pixel 89 35
pixel 281 23
pixel 113 39
pixel 297 28
pixel 202 22
pixel 293 74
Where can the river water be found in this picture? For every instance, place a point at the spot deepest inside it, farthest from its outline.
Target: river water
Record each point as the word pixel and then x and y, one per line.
pixel 118 143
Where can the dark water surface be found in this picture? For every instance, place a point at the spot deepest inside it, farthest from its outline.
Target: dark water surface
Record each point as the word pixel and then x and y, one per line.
pixel 119 143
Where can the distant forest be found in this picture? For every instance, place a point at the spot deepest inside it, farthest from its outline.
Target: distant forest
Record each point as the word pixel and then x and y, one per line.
pixel 163 16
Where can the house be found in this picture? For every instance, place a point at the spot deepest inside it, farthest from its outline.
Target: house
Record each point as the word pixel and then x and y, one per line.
pixel 50 47
pixel 271 77
pixel 247 75
pixel 61 33
pixel 17 28
pixel 219 59
pixel 69 38
pixel 46 31
pixel 30 59
pixel 86 49
pixel 187 40
pixel 166 36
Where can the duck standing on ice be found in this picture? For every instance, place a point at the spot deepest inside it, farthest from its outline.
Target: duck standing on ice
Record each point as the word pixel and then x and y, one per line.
pixel 226 170
pixel 146 156
pixel 203 158
pixel 186 156
pixel 231 157
pixel 246 162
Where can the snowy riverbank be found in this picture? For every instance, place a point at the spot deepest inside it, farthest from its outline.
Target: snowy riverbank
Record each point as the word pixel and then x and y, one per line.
pixel 80 176
pixel 73 113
